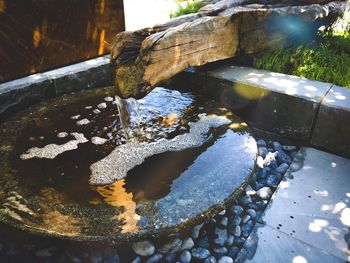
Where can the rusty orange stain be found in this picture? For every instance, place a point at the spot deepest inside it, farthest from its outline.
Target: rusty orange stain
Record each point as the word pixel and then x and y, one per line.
pixel 36 37
pixel 102 7
pixel 102 43
pixel 94 34
pixel 2 6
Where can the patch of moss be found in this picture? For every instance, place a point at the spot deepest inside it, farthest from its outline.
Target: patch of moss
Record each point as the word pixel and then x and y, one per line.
pixel 191 6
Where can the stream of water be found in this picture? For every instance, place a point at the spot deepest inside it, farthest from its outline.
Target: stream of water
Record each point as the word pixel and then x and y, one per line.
pixel 129 116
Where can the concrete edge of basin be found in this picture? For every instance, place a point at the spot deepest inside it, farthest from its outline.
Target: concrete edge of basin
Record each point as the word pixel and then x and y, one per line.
pixel 301 110
pixel 20 93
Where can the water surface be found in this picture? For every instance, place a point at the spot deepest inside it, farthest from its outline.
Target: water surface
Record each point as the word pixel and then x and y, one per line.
pixel 51 193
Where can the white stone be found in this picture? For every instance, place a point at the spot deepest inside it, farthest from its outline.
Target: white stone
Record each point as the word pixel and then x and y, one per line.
pixel 108 99
pixel 83 122
pixel 98 140
pixel 102 105
pixel 62 134
pixel 75 117
pixel 143 248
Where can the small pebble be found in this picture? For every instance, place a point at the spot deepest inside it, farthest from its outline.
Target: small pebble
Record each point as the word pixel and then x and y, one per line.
pixel 222 213
pixel 239 241
pixel 269 158
pixel 277 146
pixel 196 230
pixel 264 193
pixel 187 244
pixel 83 122
pixel 98 140
pixel 251 213
pixel 282 168
pixel 229 241
pixel 137 260
pixel 220 250
pixel 143 248
pixel 210 259
pixel 289 148
pixel 262 151
pixel 221 236
pixel 108 99
pixel 247 228
pixel 200 253
pixel 155 258
pixel 237 232
pixel 245 200
pixel 273 180
pixel 96 111
pixel 170 257
pixel 223 222
pixel 185 257
pixel 102 105
pixel 236 220
pixel 236 210
pixel 62 134
pixel 225 259
pixel 233 252
pixel 249 190
pixel 75 117
pixel 245 219
pixel 204 242
pixel 260 162
pixel 172 246
pixel 261 143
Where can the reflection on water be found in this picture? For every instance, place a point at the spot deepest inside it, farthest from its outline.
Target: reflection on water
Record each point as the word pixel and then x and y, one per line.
pixel 40 35
pixel 53 193
pixel 116 195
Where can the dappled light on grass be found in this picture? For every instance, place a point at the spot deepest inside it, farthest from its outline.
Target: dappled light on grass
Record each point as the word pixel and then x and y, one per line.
pixel 327 61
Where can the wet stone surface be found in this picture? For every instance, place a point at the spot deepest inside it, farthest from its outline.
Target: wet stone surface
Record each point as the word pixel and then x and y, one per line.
pixel 197 242
pixel 47 152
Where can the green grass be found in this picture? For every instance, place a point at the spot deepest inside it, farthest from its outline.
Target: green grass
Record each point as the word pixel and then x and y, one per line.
pixel 326 59
pixel 191 6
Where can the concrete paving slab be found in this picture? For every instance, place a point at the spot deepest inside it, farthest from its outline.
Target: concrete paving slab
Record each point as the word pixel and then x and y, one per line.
pixel 312 204
pixel 287 84
pixel 278 103
pixel 266 244
pixel 332 128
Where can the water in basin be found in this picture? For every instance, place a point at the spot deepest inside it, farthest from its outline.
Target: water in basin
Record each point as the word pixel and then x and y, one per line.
pixel 68 169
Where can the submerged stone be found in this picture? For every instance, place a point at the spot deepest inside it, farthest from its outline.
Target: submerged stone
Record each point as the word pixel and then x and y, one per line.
pixel 125 157
pixel 51 151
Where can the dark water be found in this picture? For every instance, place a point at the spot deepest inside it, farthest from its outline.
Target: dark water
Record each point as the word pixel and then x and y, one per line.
pixel 55 193
pixel 39 35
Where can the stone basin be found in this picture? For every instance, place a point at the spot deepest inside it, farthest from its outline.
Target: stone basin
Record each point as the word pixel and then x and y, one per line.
pixel 167 192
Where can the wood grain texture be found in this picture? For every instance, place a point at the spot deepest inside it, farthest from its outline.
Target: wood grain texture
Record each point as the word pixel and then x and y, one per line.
pixel 220 30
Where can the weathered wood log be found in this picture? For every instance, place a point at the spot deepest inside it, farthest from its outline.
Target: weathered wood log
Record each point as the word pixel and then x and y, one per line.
pixel 144 58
